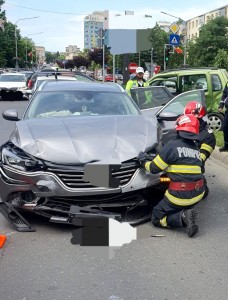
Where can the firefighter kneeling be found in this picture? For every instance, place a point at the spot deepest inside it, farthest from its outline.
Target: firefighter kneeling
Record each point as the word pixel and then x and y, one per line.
pixel 180 159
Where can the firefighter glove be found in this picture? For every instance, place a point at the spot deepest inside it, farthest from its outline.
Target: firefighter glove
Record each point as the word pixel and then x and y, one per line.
pixel 142 158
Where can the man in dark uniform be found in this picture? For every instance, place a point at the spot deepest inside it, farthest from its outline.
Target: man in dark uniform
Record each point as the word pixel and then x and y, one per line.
pixel 180 159
pixel 207 140
pixel 224 103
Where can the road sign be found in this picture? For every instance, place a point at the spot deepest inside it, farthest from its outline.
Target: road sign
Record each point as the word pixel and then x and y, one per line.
pixel 174 39
pixel 132 67
pixel 174 27
pixel 157 69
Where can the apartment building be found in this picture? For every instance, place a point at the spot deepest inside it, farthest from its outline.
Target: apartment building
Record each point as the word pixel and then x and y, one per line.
pixel 40 54
pixel 71 51
pixel 93 26
pixel 193 25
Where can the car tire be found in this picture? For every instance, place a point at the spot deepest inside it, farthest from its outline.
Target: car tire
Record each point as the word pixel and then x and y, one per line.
pixel 215 121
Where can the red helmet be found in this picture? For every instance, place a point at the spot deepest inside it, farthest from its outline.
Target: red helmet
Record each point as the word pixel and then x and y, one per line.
pixel 188 126
pixel 195 108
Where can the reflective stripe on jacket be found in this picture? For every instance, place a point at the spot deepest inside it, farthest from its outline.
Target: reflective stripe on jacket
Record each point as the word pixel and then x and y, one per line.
pixel 180 159
pixel 134 83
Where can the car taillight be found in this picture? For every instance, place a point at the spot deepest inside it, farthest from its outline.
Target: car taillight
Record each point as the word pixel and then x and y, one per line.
pixel 30 83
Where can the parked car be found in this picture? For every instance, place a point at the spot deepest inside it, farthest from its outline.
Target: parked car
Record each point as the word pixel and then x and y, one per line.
pixel 119 76
pixel 10 84
pixel 41 79
pixel 77 74
pixel 211 80
pixel 109 77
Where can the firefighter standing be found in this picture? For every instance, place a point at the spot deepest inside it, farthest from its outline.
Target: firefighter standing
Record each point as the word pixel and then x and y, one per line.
pixel 224 103
pixel 137 80
pixel 180 159
pixel 207 139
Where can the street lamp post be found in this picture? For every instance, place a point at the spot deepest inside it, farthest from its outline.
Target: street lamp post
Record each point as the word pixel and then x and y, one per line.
pixel 15 34
pixel 26 47
pixel 185 37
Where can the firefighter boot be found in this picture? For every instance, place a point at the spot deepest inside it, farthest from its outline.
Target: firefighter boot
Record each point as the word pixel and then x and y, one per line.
pixel 189 219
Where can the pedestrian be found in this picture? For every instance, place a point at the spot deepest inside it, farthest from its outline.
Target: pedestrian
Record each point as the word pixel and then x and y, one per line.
pixel 137 80
pixel 224 103
pixel 207 140
pixel 180 159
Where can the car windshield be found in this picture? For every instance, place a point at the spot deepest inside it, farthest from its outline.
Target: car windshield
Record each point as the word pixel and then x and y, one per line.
pixel 80 103
pixel 13 78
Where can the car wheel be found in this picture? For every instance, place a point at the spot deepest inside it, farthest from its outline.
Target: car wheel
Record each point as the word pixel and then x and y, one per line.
pixel 215 121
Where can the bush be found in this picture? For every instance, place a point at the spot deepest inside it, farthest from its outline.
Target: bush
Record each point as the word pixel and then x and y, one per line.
pixel 219 138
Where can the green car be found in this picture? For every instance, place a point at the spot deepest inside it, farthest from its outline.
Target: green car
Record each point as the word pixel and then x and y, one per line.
pixel 211 80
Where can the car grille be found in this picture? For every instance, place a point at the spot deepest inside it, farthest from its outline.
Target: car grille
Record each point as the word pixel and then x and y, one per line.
pixel 72 176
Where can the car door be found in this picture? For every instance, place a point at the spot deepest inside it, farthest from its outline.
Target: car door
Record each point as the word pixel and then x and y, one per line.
pixel 168 114
pixel 150 99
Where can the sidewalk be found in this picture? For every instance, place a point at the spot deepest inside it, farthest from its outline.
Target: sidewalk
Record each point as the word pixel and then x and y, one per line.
pixel 223 156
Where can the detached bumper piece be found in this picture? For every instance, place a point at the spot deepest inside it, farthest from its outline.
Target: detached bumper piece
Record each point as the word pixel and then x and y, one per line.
pixel 75 212
pixel 15 218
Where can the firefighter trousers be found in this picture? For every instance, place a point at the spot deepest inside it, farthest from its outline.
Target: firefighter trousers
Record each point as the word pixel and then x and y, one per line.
pixel 166 214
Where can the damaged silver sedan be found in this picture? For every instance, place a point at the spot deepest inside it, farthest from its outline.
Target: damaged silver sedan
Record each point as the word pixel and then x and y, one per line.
pixel 73 153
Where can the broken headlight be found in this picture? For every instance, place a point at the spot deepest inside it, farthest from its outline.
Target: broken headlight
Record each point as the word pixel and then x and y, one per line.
pixel 16 158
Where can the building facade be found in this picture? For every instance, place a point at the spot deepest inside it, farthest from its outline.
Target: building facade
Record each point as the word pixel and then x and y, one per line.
pixel 40 55
pixel 71 51
pixel 94 26
pixel 193 25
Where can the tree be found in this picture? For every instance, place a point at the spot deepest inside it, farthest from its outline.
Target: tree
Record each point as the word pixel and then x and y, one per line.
pixel 221 59
pixel 213 36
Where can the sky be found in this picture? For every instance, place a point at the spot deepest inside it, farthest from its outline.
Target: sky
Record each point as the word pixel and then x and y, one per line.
pixel 60 22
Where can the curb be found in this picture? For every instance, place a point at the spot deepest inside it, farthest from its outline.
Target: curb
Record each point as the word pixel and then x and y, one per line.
pixel 223 156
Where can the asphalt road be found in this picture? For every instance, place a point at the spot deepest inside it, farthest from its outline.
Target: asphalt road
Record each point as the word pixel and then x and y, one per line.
pixel 160 264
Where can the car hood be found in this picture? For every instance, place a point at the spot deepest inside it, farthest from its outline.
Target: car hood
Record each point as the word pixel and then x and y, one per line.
pixel 86 139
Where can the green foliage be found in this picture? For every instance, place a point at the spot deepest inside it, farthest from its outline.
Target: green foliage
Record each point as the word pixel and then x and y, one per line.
pixel 206 49
pixel 221 59
pixel 219 138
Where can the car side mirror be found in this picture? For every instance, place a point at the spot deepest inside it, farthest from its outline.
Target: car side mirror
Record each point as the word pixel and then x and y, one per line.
pixel 167 116
pixel 10 115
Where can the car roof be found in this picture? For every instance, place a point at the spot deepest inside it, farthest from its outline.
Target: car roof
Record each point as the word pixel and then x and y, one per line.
pixel 8 73
pixel 51 77
pixel 79 85
pixel 188 70
pixel 63 72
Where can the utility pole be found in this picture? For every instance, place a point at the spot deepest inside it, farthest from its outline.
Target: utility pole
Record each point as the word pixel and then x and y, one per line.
pixel 164 58
pixel 151 61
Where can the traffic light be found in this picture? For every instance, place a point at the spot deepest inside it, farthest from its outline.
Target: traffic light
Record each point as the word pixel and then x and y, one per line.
pixel 168 52
pixel 100 53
